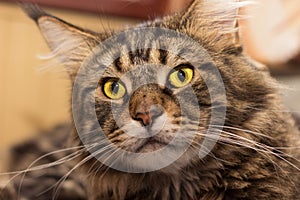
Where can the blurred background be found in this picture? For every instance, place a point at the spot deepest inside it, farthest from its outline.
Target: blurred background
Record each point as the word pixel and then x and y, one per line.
pixel 34 97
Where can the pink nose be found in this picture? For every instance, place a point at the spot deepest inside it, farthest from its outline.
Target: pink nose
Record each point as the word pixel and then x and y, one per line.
pixel 145 118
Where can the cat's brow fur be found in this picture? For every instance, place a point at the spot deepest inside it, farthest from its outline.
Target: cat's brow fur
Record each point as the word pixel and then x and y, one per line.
pixel 257 154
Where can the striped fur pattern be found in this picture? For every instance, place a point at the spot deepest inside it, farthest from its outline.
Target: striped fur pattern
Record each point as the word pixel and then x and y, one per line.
pixel 256 156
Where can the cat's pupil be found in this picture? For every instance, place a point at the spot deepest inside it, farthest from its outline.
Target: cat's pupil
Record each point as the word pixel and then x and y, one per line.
pixel 181 75
pixel 115 87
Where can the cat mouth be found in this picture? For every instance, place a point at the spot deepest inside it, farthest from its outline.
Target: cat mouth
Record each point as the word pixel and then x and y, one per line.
pixel 150 145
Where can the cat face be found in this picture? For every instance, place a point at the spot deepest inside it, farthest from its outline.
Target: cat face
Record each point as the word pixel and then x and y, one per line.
pixel 140 91
pixel 148 89
pixel 145 96
pixel 145 114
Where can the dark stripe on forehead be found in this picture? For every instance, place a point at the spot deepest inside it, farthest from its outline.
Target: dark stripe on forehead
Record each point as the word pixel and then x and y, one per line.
pixel 163 54
pixel 118 64
pixel 147 54
pixel 139 54
pixel 131 57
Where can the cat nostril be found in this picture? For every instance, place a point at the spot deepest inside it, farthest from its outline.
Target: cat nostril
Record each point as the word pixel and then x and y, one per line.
pixel 147 118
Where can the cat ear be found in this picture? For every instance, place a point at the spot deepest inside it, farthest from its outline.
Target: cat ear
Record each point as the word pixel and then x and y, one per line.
pixel 69 44
pixel 215 19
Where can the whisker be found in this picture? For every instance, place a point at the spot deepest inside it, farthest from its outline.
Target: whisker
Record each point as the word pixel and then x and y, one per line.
pixel 30 168
pixel 112 154
pixel 61 180
pixel 265 148
pixel 64 159
pixel 108 167
pixel 274 110
pixel 262 152
pixel 245 142
pixel 271 149
pixel 38 159
pixel 209 153
pixel 243 130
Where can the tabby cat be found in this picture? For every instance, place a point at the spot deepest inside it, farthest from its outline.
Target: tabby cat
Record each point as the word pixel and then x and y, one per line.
pixel 165 126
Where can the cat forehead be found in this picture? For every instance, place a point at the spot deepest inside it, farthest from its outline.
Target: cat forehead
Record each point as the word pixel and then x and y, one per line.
pixel 143 62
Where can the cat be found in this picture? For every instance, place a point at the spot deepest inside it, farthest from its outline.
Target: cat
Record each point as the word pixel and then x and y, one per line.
pixel 154 92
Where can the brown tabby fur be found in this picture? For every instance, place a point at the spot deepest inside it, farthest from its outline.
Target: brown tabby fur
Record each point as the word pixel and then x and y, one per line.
pixel 257 154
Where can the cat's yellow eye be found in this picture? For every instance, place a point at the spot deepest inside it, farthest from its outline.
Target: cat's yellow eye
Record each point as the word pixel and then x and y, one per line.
pixel 113 89
pixel 181 77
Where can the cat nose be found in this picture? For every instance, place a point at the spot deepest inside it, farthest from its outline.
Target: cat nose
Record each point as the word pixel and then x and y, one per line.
pixel 147 118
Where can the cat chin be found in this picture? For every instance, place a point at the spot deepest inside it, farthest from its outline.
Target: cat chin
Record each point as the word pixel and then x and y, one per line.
pixel 154 165
pixel 190 157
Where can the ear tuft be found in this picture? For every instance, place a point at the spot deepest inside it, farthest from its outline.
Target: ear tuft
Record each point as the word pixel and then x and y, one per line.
pixel 33 11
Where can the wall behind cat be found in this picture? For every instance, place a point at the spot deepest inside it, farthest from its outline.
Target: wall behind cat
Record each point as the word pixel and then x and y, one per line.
pixel 271 31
